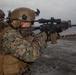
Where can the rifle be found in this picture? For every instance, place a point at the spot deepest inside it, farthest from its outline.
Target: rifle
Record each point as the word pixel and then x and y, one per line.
pixel 55 25
pixel 52 27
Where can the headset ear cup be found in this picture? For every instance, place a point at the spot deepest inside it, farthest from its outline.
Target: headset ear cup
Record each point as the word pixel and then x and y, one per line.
pixel 16 23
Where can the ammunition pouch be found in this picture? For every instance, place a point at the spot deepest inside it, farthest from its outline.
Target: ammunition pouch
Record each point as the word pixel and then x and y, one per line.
pixel 10 65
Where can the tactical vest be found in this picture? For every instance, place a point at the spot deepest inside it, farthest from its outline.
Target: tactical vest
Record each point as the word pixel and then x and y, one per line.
pixel 10 65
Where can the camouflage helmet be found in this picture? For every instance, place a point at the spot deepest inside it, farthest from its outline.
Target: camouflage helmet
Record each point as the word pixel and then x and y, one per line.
pixel 23 14
pixel 1 14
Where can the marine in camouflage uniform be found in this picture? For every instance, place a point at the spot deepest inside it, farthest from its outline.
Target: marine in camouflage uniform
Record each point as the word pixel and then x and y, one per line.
pixel 3 24
pixel 1 20
pixel 21 50
pixel 2 15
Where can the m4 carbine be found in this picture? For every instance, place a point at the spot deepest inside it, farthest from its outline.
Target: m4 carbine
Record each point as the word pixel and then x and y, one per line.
pixel 52 27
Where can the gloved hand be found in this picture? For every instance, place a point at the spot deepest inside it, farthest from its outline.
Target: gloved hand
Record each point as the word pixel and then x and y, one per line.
pixel 44 28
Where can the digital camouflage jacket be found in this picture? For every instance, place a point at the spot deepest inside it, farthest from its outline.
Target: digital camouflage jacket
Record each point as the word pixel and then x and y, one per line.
pixel 27 49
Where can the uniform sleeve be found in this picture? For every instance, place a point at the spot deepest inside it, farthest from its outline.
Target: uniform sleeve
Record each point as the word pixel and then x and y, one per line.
pixel 15 44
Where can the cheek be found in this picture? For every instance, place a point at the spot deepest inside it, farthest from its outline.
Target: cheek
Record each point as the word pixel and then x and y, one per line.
pixel 25 25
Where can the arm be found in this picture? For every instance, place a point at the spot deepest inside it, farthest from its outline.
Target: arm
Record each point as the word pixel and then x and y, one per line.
pixel 14 43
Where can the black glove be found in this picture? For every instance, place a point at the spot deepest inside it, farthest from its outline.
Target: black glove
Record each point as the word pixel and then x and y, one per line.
pixel 44 28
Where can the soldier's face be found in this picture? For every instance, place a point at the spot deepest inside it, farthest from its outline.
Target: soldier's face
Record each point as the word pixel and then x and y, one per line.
pixel 25 24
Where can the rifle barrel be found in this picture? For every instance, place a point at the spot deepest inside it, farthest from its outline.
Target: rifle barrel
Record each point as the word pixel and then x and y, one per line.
pixel 73 25
pixel 48 20
pixel 36 28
